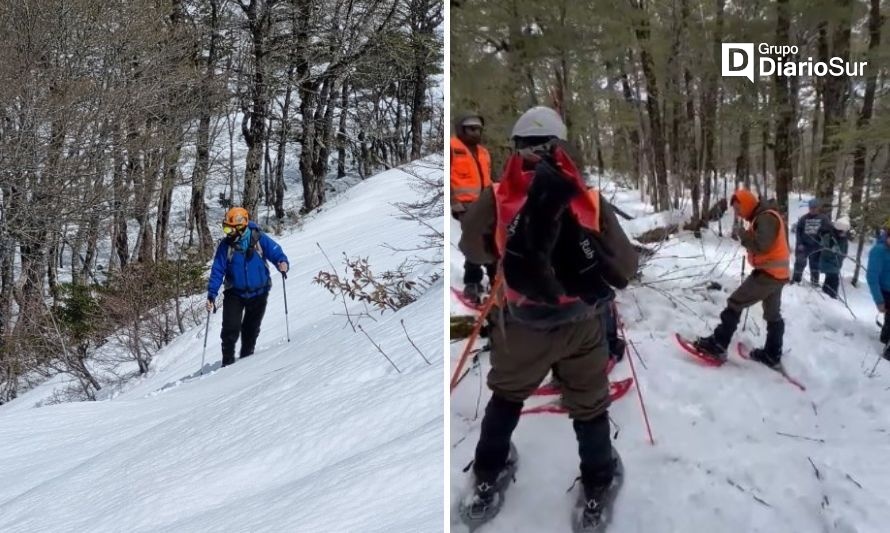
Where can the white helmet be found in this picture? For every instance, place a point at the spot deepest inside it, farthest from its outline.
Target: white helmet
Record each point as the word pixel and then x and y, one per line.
pixel 540 121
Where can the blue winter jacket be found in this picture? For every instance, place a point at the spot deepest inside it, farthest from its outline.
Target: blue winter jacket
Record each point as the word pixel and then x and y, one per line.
pixel 879 271
pixel 246 273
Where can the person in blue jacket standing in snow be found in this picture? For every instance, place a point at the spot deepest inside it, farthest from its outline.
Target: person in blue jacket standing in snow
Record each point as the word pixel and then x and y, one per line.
pixel 809 229
pixel 240 264
pixel 878 277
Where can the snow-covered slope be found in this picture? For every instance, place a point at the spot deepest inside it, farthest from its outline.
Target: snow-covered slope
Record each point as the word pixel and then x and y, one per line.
pixel 736 448
pixel 317 435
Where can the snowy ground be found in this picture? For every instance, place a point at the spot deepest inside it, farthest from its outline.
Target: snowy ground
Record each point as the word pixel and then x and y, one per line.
pixel 317 435
pixel 720 462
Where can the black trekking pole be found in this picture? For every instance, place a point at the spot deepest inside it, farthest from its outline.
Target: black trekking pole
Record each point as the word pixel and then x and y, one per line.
pixel 284 288
pixel 206 332
pixel 745 323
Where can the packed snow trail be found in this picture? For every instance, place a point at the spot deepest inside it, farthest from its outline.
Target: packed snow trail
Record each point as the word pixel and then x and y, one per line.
pixel 319 434
pixel 737 447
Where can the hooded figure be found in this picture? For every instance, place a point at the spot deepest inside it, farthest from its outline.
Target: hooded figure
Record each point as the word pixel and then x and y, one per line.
pixel 834 244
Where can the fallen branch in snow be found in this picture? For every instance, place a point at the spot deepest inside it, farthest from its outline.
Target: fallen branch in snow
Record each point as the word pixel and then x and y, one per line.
pixel 822 441
pixel 342 297
pixel 853 480
pixel 673 300
pixel 815 470
pixel 749 492
pixel 379 349
pixel 412 342
pixel 825 502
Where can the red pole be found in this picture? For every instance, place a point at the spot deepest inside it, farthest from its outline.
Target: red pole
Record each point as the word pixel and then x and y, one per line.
pixel 489 303
pixel 634 372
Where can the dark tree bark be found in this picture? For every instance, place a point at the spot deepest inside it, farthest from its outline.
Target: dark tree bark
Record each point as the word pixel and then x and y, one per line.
pixel 253 126
pixel 784 118
pixel 834 103
pixel 662 202
pixel 198 210
pixel 874 40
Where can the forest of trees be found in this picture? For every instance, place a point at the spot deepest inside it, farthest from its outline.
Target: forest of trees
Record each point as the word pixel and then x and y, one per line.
pixel 108 108
pixel 640 87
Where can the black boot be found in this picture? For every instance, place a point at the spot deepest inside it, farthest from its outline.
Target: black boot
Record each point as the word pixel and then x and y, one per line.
pixel 495 462
pixel 601 473
pixel 594 449
pixel 493 449
pixel 228 358
pixel 771 354
pixel 473 292
pixel 715 345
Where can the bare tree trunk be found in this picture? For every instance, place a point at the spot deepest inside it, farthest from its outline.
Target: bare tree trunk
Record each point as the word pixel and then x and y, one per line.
pixel 709 107
pixel 341 131
pixel 168 181
pixel 785 118
pixel 874 41
pixel 198 209
pixel 253 126
pixel 834 101
pixel 652 108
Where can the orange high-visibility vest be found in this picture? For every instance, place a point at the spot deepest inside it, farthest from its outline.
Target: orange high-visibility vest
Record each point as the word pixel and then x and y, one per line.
pixel 469 175
pixel 776 260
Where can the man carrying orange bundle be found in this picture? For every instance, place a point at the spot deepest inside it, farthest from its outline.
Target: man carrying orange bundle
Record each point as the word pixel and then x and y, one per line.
pixel 767 246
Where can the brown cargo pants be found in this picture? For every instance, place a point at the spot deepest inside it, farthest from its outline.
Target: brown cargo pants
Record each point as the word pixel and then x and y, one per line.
pixel 759 287
pixel 577 352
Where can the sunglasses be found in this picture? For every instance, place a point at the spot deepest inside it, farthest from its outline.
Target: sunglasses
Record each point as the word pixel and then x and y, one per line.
pixel 228 230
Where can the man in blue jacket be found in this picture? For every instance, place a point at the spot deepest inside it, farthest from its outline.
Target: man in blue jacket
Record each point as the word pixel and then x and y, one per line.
pixel 240 263
pixel 809 230
pixel 879 281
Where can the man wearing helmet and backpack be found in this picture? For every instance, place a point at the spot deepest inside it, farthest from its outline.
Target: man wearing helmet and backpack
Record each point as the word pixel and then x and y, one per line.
pixel 240 263
pixel 560 248
pixel 768 253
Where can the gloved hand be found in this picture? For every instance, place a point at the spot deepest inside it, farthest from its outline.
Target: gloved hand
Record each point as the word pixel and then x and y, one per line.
pixel 211 305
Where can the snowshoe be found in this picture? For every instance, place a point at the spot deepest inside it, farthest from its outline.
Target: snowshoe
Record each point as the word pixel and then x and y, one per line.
pixel 593 509
pixel 487 496
pixel 692 349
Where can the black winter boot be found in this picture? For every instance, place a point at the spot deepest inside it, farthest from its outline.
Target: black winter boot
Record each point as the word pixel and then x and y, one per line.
pixel 601 474
pixel 495 463
pixel 594 449
pixel 771 353
pixel 473 292
pixel 501 417
pixel 729 322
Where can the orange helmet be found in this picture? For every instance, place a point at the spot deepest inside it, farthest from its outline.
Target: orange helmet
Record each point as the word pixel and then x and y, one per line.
pixel 747 203
pixel 236 217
